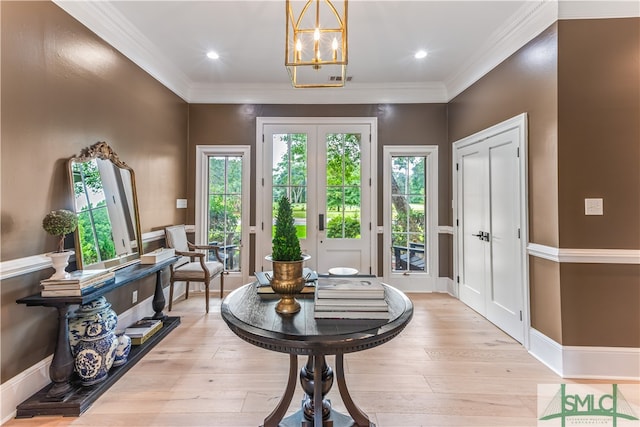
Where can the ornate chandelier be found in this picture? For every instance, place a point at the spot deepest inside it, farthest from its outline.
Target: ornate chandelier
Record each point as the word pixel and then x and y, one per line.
pixel 316 47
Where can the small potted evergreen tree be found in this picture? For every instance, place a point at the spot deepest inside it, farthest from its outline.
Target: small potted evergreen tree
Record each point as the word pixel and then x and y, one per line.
pixel 287 260
pixel 59 223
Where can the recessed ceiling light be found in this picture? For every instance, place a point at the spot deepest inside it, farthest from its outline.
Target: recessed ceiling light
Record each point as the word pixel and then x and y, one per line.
pixel 420 54
pixel 212 55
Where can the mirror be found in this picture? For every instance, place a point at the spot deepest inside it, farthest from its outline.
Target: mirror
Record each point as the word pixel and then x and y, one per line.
pixel 104 194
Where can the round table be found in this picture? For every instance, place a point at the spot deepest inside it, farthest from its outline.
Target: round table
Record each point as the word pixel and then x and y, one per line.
pixel 253 318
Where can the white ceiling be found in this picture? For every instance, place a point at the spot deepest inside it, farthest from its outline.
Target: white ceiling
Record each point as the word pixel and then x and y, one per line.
pixel 464 39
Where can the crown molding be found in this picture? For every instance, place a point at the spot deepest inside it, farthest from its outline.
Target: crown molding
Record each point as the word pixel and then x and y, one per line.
pixel 354 93
pixel 598 9
pixel 111 26
pixel 532 18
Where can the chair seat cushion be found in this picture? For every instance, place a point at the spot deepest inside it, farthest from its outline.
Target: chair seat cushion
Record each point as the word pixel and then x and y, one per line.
pixel 193 270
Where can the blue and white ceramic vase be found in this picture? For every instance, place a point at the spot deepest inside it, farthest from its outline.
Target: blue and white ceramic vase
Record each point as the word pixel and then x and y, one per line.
pixel 96 311
pixel 123 349
pixel 93 340
pixel 96 355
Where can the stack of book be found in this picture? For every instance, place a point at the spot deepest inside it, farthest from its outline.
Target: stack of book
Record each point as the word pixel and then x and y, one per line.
pixel 142 330
pixel 350 298
pixel 264 284
pixel 77 283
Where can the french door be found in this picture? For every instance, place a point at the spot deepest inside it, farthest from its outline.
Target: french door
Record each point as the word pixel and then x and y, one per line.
pixel 491 225
pixel 323 167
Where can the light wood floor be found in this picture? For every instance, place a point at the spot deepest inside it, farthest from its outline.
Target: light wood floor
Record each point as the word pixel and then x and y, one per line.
pixel 449 367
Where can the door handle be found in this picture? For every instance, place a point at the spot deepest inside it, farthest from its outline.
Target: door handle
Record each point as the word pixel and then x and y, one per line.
pixel 321 222
pixel 482 235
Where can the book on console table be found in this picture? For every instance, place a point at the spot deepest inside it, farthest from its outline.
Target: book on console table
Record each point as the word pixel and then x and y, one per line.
pixel 142 330
pixel 356 288
pixel 81 277
pixel 74 290
pixel 158 255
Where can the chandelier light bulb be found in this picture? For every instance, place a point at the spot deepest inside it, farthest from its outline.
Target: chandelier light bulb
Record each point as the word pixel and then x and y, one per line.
pixel 298 50
pixel 316 34
pixel 421 54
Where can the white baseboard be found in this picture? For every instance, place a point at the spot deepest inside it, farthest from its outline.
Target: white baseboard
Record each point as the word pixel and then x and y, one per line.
pixel 22 386
pixel 608 363
pixel 445 285
pixel 19 388
pixel 618 363
pixel 546 350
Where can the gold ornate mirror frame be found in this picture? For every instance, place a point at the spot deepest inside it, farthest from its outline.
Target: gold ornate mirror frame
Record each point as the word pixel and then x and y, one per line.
pixel 106 203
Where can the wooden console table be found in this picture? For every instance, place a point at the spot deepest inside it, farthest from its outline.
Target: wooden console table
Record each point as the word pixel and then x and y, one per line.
pixel 255 320
pixel 65 395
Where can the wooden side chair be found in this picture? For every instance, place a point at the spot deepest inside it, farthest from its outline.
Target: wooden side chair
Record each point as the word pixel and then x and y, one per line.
pixel 194 266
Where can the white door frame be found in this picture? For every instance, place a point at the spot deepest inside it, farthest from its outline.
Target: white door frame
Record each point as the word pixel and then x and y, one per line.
pixel 411 281
pixel 261 122
pixel 518 122
pixel 233 279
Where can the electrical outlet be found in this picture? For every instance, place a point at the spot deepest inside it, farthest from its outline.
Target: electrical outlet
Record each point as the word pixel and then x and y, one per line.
pixel 134 297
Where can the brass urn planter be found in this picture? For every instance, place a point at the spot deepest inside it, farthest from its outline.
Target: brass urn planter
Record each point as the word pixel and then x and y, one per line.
pixel 287 281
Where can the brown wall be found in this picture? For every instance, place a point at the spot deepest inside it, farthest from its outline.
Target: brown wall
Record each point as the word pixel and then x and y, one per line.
pixel 398 124
pixel 599 155
pixel 599 132
pixel 579 84
pixel 64 89
pixel 526 82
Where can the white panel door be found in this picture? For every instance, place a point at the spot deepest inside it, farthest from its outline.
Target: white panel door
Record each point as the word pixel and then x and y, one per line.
pixel 489 223
pixel 504 296
pixel 472 191
pixel 344 224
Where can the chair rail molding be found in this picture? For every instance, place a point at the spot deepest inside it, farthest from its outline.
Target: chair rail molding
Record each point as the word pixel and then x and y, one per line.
pixel 19 266
pixel 590 256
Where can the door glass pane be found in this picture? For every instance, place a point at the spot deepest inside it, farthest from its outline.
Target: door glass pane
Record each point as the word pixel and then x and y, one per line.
pixel 408 214
pixel 290 177
pixel 343 186
pixel 224 224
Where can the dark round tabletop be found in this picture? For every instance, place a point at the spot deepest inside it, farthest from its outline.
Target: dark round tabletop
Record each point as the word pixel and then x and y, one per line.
pixel 253 318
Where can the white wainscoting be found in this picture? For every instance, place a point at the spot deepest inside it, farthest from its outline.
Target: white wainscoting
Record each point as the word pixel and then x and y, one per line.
pixel 25 384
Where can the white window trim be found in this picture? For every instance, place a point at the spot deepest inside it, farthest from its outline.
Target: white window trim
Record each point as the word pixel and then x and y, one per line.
pixel 234 279
pixel 412 281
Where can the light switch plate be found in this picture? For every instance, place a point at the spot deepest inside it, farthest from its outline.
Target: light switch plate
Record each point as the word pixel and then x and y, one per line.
pixel 181 203
pixel 593 207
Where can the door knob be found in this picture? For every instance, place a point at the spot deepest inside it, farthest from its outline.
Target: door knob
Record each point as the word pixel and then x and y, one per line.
pixel 480 235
